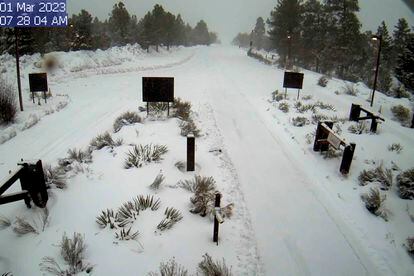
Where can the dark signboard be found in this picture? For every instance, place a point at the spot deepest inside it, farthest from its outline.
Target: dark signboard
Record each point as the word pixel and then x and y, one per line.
pixel 156 89
pixel 293 80
pixel 38 82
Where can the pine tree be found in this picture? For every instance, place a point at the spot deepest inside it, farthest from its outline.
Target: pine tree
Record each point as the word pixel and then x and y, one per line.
pixel 200 34
pixel 384 75
pixel 285 26
pixel 404 71
pixel 314 34
pixel 82 31
pixel 100 37
pixel 345 38
pixel 119 23
pixel 258 34
pixel 400 39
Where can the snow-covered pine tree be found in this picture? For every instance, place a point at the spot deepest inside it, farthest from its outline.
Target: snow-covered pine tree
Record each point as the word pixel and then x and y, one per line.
pixel 258 35
pixel 401 36
pixel 82 31
pixel 405 65
pixel 119 22
pixel 384 75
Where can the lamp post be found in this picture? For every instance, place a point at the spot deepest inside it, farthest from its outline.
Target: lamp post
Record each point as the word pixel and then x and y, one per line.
pixel 19 83
pixel 289 38
pixel 379 39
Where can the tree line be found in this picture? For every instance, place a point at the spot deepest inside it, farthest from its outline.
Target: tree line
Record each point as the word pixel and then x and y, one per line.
pixel 85 32
pixel 325 36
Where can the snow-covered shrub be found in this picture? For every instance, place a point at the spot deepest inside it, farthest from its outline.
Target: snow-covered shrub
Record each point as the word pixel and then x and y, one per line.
pixel 172 216
pixel 378 174
pixel 307 97
pixel 310 137
pixel 276 96
pixel 8 104
pixel 189 127
pixel 73 253
pixel 410 245
pixel 182 109
pixel 171 268
pixel 332 153
pixel 208 267
pixel 80 155
pixel 55 176
pixel 141 155
pixel 106 218
pixel 302 108
pixel 32 120
pixel 350 89
pixel 284 107
pixel 157 181
pixel 4 222
pixel 317 117
pixel 323 81
pixel 324 106
pixel 397 147
pixel 358 128
pixel 405 184
pixel 401 113
pixel 373 202
pixel 126 235
pixel 300 121
pixel 127 118
pixel 158 107
pixel 400 92
pixel 104 140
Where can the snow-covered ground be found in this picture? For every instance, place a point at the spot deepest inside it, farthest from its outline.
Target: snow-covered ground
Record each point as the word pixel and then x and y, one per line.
pixel 294 213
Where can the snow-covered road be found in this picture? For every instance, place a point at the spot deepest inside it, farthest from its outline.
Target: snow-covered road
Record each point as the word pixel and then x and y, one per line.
pixel 296 229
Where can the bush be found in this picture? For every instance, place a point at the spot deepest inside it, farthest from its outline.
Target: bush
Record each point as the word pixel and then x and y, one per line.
pixel 171 268
pixel 23 227
pixel 204 189
pixel 395 147
pixel 400 92
pixel 4 222
pixel 284 107
pixel 323 81
pixel 8 105
pixel 300 121
pixel 180 165
pixel 104 140
pixel 182 109
pixel 401 113
pixel 158 107
pixel 55 176
pixel 324 106
pixel 350 89
pixel 189 127
pixel 405 184
pixel 379 174
pixel 80 156
pixel 359 128
pixel 128 118
pixel 373 202
pixel 276 96
pixel 73 253
pixel 141 155
pixel 208 267
pixel 157 182
pixel 307 97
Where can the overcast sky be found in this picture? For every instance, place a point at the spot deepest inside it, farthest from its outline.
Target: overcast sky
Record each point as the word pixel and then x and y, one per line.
pixel 228 17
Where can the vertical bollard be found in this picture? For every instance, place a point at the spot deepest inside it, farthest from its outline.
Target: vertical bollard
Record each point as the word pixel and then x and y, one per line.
pixel 190 153
pixel 347 158
pixel 216 222
pixel 412 121
pixel 374 125
pixel 355 112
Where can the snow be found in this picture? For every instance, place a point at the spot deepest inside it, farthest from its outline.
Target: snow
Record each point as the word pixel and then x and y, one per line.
pixel 295 214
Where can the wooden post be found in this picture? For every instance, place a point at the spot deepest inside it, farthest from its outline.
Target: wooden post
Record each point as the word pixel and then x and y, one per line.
pixel 412 121
pixel 190 153
pixel 347 158
pixel 216 222
pixel 322 134
pixel 19 83
pixel 374 125
pixel 147 109
pixel 355 112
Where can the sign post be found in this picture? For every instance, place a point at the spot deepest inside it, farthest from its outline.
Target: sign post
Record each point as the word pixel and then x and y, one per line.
pixel 157 89
pixel 217 217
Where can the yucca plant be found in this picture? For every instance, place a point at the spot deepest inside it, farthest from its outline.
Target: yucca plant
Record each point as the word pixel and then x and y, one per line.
pixel 204 189
pixel 157 181
pixel 148 202
pixel 172 216
pixel 126 235
pixel 4 222
pixel 55 176
pixel 140 155
pixel 23 227
pixel 105 140
pixel 106 218
pixel 80 155
pixel 373 202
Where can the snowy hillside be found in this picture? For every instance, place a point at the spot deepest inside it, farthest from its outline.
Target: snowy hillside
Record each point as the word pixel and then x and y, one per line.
pixel 293 212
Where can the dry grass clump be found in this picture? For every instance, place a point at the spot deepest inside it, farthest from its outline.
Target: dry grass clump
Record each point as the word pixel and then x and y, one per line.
pixel 157 181
pixel 23 227
pixel 397 147
pixel 104 140
pixel 284 107
pixel 4 222
pixel 141 155
pixel 73 253
pixel 55 176
pixel 276 96
pixel 323 81
pixel 189 127
pixel 171 268
pixel 378 174
pixel 180 165
pixel 374 201
pixel 359 128
pixel 405 184
pixel 127 118
pixel 209 267
pixel 300 121
pixel 401 113
pixel 182 109
pixel 350 89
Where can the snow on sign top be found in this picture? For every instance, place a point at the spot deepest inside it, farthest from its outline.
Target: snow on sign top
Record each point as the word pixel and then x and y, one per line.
pixel 33 13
